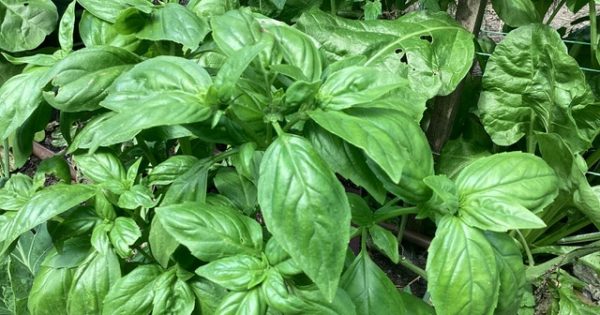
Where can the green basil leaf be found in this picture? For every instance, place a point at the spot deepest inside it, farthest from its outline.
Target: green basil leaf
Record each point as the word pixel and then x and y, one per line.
pixel 369 87
pixel 243 303
pixel 280 296
pixel 445 199
pixel 458 153
pixel 25 24
pixel 81 80
pixel 108 10
pixel 237 188
pixel 190 186
pixel 20 96
pixel 431 43
pixel 208 295
pixel 461 263
pixel 73 253
pixel 570 303
pixel 66 27
pixel 169 170
pixel 43 60
pixel 211 232
pixel 297 189
pixel 362 214
pixel 237 29
pixel 516 12
pixel 81 221
pixel 510 270
pixel 236 273
pixel 209 8
pixel 48 295
pixel 171 90
pixel 493 195
pixel 16 192
pixel 137 196
pixel 396 143
pixel 234 67
pixel 91 283
pixel 297 48
pixel 171 21
pixel 100 167
pixel 369 287
pixel 161 243
pixel 345 159
pixel 124 233
pixel 132 294
pixel 44 205
pixel 523 91
pixel 386 242
pixel 97 32
pixel 173 295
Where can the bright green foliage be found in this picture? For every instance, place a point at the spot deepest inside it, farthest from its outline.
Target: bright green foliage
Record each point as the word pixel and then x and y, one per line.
pixel 252 157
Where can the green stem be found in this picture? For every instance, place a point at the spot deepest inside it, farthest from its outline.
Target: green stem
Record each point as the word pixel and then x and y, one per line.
pixel 292 122
pixel 6 159
pixel 593 158
pixel 186 146
pixel 223 155
pixel 393 212
pixel 363 241
pixel 404 262
pixel 146 255
pixel 526 248
pixel 401 228
pixel 149 155
pixel 569 228
pixel 555 11
pixel 333 5
pixel 594 32
pixel 277 128
pixel 581 238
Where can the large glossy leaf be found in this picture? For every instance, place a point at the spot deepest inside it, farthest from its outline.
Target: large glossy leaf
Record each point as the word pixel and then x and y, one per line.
pixel 91 283
pixel 397 144
pixel 237 188
pixel 516 12
pixel 81 80
pixel 237 29
pixel 189 186
pixel 297 48
pixel 100 167
pixel 97 32
pixel 462 269
pixel 236 273
pixel 430 49
pixel 42 207
pixel 571 169
pixel 109 10
pixel 304 206
pixel 243 303
pixel 368 87
pixel 162 244
pixel 532 84
pixel 208 8
pixel 124 233
pixel 161 91
pixel 132 294
pixel 172 295
pixel 25 24
pixel 171 21
pixel 211 232
pixel 511 272
pixel 49 292
pixel 345 159
pixel 19 98
pixel 495 196
pixel 370 288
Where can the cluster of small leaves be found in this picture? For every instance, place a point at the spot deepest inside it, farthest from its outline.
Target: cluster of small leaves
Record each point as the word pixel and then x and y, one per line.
pixel 210 139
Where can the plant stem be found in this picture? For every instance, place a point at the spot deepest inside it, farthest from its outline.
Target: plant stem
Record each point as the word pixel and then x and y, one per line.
pixel 594 32
pixel 223 155
pixel 146 255
pixel 526 248
pixel 555 11
pixel 593 158
pixel 277 128
pixel 388 213
pixel 6 159
pixel 149 155
pixel 363 240
pixel 404 262
pixel 186 145
pixel 401 228
pixel 333 5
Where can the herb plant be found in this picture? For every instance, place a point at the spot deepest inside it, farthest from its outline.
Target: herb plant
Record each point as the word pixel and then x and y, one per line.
pixel 227 153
